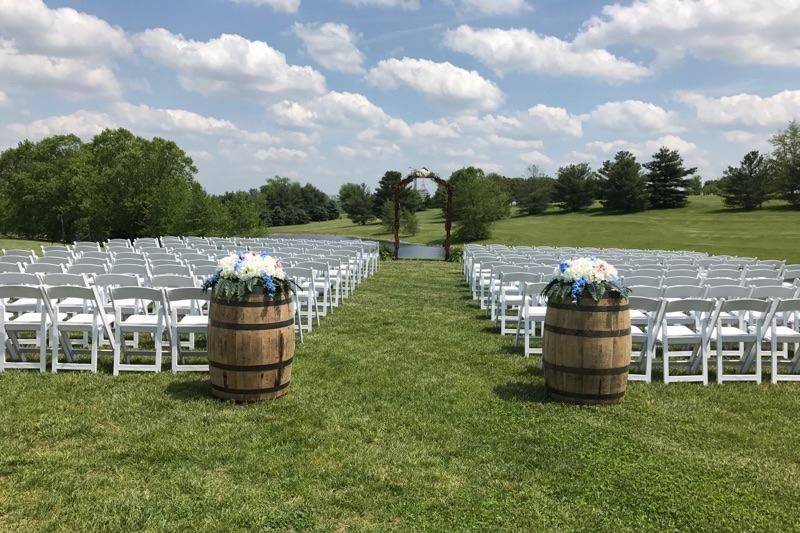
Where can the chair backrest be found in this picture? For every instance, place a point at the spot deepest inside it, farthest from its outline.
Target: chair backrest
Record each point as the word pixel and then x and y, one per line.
pixel 19 291
pixel 685 272
pixel 137 293
pixel 10 267
pixel 763 282
pixel 87 269
pixel 533 291
pixel 95 255
pixel 90 261
pixel 74 280
pixel 728 291
pixel 721 282
pixel 724 273
pixel 691 305
pixel 784 293
pixel 53 260
pixel 129 268
pixel 43 268
pixel 520 277
pixel 192 257
pixel 59 292
pixel 117 280
pixel 173 268
pixel 788 305
pixel 16 258
pixel 642 280
pixel 16 278
pixel 680 280
pixel 745 304
pixel 181 295
pixel 646 291
pixel 770 273
pixel 124 256
pixel 684 291
pixel 202 263
pixel 172 280
pixel 642 303
pixel 203 271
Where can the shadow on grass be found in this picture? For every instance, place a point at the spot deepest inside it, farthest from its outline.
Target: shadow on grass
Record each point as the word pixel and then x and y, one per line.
pixel 520 391
pixel 196 389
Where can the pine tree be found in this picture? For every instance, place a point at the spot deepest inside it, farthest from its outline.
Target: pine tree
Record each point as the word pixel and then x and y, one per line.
pixel 622 186
pixel 667 184
pixel 747 186
pixel 786 157
pixel 574 187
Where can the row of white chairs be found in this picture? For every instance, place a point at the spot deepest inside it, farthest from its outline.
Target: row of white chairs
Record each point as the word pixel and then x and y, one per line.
pixel 511 295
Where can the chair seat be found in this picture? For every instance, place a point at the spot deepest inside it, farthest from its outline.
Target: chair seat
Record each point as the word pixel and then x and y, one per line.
pixel 513 299
pixel 677 332
pixel 732 334
pixel 31 320
pixel 536 311
pixel 193 320
pixel 21 304
pixel 782 333
pixel 83 319
pixel 140 320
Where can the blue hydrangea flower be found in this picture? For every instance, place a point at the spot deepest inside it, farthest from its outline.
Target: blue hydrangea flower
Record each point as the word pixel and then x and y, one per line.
pixel 269 285
pixel 577 288
pixel 563 266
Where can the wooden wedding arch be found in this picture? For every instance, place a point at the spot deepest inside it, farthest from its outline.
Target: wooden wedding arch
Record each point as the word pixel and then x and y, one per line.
pixel 398 187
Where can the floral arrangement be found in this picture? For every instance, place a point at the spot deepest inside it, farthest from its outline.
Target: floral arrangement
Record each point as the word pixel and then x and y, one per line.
pixel 584 275
pixel 242 273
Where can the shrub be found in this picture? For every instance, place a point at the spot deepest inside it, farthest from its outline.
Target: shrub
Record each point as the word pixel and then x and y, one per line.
pixel 621 186
pixel 747 186
pixel 575 187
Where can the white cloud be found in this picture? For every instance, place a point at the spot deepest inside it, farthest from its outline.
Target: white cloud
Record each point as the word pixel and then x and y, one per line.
pixel 82 123
pixel 229 63
pixel 332 45
pixel 74 77
pixel 526 51
pixel 745 109
pixel 536 158
pixel 633 115
pixel 645 149
pixel 496 7
pixel 280 154
pixel 286 6
pixel 65 32
pixel 441 81
pixel 554 119
pixel 740 137
pixel 372 151
pixel 3 99
pixel 403 4
pixel 737 31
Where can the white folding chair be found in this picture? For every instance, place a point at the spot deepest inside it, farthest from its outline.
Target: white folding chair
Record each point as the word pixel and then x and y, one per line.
pixel 695 332
pixel 510 295
pixel 91 320
pixel 37 322
pixel 139 321
pixel 646 321
pixel 748 332
pixel 183 320
pixel 533 312
pixel 782 327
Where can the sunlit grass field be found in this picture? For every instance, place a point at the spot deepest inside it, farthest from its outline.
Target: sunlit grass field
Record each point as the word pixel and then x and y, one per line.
pixel 769 233
pixel 406 412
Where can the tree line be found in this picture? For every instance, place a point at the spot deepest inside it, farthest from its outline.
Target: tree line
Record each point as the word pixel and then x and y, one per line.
pixel 119 185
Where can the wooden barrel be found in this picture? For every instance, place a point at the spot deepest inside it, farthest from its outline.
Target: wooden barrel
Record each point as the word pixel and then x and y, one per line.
pixel 587 350
pixel 251 346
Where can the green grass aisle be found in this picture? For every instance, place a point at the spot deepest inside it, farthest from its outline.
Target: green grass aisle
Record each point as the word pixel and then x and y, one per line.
pixel 406 411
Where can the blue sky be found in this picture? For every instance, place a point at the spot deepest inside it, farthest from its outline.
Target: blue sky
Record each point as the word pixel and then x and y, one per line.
pixel 329 91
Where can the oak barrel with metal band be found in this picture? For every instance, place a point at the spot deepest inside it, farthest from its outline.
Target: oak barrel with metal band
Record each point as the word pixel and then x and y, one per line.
pixel 587 350
pixel 251 346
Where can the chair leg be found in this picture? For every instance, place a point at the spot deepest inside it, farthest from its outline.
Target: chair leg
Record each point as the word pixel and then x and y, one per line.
pixel 43 351
pixel 95 346
pixel 158 337
pixel 174 343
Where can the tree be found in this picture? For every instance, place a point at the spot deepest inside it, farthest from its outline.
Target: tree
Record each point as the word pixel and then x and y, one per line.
pixel 695 186
pixel 409 198
pixel 711 187
pixel 535 195
pixel 747 186
pixel 409 225
pixel 574 187
pixel 666 181
pixel 786 157
pixel 356 201
pixel 241 213
pixel 621 185
pixel 478 201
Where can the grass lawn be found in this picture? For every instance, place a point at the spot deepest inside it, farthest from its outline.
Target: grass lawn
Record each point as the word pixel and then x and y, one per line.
pixel 769 233
pixel 406 412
